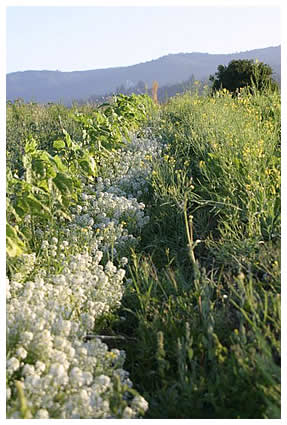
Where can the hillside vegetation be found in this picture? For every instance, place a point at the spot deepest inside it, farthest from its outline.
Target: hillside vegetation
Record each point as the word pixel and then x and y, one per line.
pixel 143 258
pixel 65 87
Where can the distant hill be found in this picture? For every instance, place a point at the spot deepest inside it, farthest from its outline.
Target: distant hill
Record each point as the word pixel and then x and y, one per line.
pixel 57 86
pixel 163 92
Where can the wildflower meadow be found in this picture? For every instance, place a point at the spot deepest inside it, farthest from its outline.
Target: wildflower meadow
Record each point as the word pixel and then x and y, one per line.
pixel 143 258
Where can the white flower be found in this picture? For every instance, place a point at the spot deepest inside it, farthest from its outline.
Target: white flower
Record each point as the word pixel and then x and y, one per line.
pixel 12 364
pixel 121 274
pixel 124 261
pixel 8 393
pixel 139 403
pixel 64 326
pixel 98 256
pixel 42 414
pixel 28 370
pixel 128 413
pixel 84 396
pixel 40 366
pixel 58 371
pixel 45 244
pixel 76 377
pixel 21 353
pixel 88 377
pixel 26 337
pixel 110 268
pixel 103 381
pixel 60 357
pixel 59 280
pixel 73 266
pixel 33 382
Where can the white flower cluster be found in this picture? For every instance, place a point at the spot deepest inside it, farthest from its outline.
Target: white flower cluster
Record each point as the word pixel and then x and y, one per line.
pixel 82 292
pixel 127 172
pixel 48 320
pixel 63 373
pixel 104 208
pixel 110 210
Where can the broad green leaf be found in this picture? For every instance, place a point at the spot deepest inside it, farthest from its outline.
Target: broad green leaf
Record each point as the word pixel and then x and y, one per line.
pixel 63 183
pixel 36 207
pixel 29 204
pixel 88 164
pixel 44 167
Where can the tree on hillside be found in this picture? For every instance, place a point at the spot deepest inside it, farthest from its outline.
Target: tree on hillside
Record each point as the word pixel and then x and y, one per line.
pixel 242 73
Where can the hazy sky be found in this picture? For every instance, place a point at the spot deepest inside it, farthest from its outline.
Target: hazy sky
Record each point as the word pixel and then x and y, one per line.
pixel 79 38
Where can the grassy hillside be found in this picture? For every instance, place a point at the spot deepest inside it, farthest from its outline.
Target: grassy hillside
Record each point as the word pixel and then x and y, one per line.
pixel 144 243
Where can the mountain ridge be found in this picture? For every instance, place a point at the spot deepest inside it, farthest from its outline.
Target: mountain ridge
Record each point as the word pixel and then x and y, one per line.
pixel 65 86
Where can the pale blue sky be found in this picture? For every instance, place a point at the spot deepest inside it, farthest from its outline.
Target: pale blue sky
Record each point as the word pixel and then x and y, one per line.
pixel 80 38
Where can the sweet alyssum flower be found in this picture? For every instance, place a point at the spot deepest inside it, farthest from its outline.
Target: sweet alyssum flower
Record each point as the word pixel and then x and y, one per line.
pixel 49 315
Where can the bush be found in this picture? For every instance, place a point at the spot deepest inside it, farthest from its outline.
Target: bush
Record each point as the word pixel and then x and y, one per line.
pixel 242 73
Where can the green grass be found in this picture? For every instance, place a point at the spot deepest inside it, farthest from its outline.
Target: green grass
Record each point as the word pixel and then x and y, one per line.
pixel 203 308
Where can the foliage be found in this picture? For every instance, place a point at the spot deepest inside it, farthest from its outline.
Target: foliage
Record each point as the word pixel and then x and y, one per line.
pixel 42 195
pixel 242 73
pixel 145 237
pixel 48 180
pixel 205 291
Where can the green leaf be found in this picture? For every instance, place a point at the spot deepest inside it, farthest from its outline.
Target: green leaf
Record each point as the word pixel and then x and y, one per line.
pixel 36 207
pixel 43 167
pixel 59 144
pixel 43 185
pixel 59 164
pixel 63 183
pixel 68 139
pixel 11 212
pixel 88 165
pixel 14 245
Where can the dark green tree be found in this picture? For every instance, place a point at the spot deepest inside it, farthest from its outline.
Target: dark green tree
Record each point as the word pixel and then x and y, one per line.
pixel 243 73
